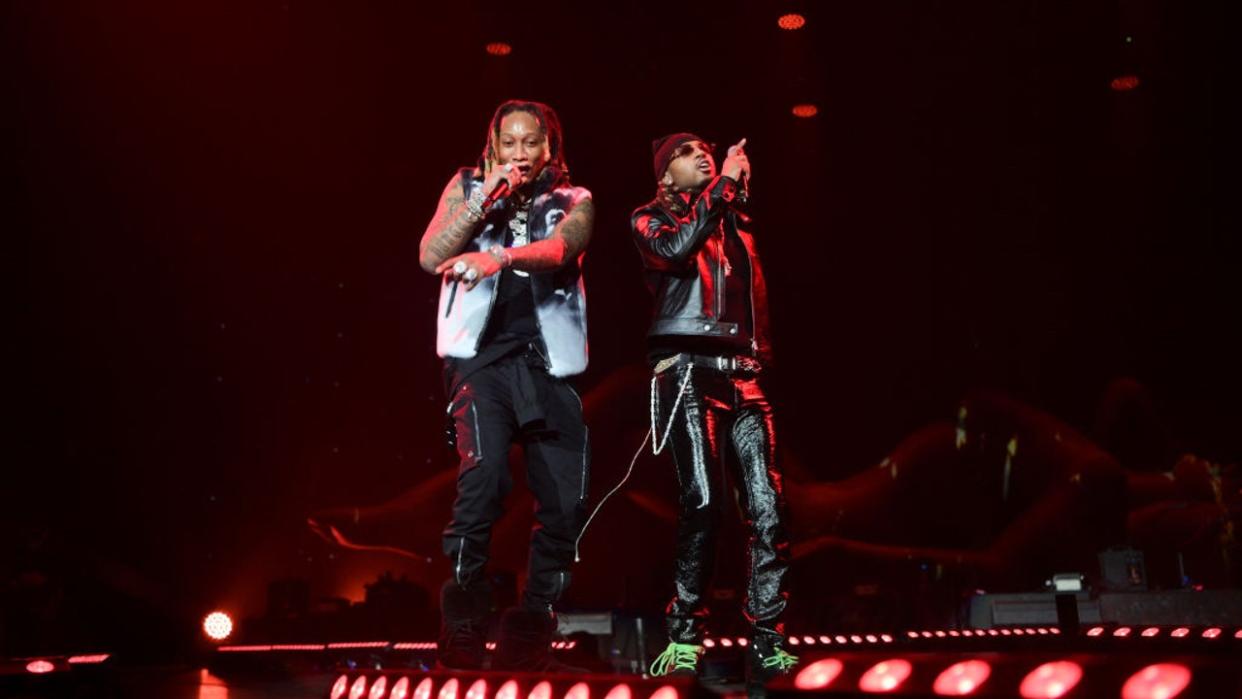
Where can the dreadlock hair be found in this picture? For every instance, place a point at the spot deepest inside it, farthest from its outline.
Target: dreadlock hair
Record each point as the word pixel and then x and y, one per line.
pixel 549 127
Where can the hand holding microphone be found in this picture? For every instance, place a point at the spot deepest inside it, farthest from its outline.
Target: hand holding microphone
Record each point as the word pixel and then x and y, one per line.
pixel 499 183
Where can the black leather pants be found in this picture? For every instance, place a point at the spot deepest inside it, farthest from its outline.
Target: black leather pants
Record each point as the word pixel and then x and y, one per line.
pixel 723 419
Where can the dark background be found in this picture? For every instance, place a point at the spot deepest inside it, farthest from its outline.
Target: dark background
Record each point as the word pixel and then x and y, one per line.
pixel 221 326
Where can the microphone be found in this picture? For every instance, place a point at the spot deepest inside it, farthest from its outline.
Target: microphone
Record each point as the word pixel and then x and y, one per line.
pixel 499 192
pixel 470 276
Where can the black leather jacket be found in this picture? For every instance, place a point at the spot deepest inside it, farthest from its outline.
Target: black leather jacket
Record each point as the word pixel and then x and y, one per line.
pixel 683 259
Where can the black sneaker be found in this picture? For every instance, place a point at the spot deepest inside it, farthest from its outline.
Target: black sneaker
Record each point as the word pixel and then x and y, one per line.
pixel 463 626
pixel 765 659
pixel 525 641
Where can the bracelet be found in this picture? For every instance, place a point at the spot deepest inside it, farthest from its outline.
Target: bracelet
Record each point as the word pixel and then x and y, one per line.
pixel 474 206
pixel 501 255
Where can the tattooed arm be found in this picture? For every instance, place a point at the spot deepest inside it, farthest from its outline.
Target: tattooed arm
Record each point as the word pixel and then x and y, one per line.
pixel 568 240
pixel 449 229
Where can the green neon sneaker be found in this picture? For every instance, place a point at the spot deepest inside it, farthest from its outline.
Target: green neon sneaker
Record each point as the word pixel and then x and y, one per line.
pixel 677 659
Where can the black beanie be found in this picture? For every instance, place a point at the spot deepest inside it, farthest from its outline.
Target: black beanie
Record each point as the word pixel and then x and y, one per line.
pixel 662 150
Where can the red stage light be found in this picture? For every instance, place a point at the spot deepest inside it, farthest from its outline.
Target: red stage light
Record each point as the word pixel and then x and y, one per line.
pixel 793 640
pixel 449 689
pixel 1212 633
pixel 543 690
pixel 400 689
pixel 339 689
pixel 1151 631
pixel 791 21
pixel 218 626
pixel 1051 680
pixel 39 667
pixel 579 691
pixel 818 674
pixel 1160 681
pixel 886 638
pixel 1096 631
pixel 962 678
pixel 423 691
pixel 621 691
pixel 478 690
pixel 1180 632
pixel 378 688
pixel 726 642
pixel 805 111
pixel 743 642
pixel 508 690
pixel 1124 83
pixel 499 48
pixel 1122 632
pixel 359 688
pixel 886 676
pixel 665 692
pixel 709 643
pixel 88 659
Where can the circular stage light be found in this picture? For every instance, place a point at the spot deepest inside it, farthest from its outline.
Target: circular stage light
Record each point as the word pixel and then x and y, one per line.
pixel 218 626
pixel 962 679
pixel 1051 680
pixel 818 674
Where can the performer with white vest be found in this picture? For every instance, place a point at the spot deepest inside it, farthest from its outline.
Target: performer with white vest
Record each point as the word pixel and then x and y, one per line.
pixel 508 239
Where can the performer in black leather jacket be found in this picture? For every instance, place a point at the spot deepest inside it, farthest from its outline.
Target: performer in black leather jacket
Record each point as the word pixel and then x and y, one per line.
pixel 708 345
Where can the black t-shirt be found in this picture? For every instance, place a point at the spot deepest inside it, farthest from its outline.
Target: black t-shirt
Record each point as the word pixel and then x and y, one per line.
pixel 511 328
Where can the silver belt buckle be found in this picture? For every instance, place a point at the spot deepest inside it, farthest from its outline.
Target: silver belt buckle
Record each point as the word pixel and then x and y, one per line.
pixel 726 364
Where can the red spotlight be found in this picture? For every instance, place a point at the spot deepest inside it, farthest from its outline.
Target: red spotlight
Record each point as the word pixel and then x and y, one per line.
pixel 449 689
pixel 1151 631
pixel 499 48
pixel 1237 634
pixel 621 691
pixel 1180 632
pixel 726 642
pixel 1051 680
pixel 805 111
pixel 39 667
pixel 1212 633
pixel 478 690
pixel 359 688
pixel 886 676
pixel 709 643
pixel 1122 632
pixel 1124 83
pixel 339 689
pixel 1096 631
pixel 378 688
pixel 743 642
pixel 579 691
pixel 508 690
pixel 543 690
pixel 665 692
pixel 88 659
pixel 818 674
pixel 1160 681
pixel 401 689
pixel 962 678
pixel 218 626
pixel 791 22
pixel 423 691
pixel 793 641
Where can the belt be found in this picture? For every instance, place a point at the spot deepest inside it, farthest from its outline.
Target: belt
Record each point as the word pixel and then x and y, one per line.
pixel 725 365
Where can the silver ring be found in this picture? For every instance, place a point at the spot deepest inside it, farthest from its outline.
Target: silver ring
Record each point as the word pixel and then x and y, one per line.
pixel 459 267
pixel 472 274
